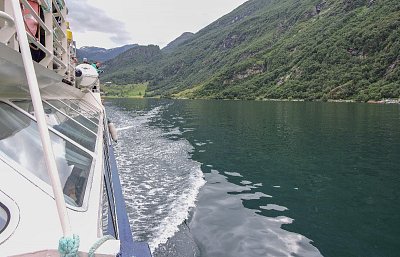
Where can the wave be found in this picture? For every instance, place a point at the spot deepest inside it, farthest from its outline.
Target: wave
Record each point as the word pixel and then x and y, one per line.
pixel 160 182
pixel 124 128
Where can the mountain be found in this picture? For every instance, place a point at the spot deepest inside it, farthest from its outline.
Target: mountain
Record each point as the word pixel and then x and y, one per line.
pixel 309 49
pixel 132 65
pixel 178 41
pixel 93 53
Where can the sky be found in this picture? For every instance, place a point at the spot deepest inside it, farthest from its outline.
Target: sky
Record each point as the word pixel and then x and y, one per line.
pixel 109 24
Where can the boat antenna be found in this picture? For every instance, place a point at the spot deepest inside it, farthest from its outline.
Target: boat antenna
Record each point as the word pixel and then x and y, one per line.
pixel 41 120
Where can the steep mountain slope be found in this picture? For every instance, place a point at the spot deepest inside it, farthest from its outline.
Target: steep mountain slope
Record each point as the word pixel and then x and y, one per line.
pixel 101 54
pixel 335 49
pixel 132 66
pixel 178 41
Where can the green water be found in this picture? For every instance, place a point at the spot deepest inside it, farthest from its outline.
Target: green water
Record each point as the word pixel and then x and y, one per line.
pixel 333 168
pixel 344 158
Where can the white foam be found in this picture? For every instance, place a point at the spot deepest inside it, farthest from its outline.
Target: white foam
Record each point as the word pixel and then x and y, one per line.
pixel 245 182
pixel 179 212
pixel 124 128
pixel 274 207
pixel 235 174
pixel 254 196
pixel 160 181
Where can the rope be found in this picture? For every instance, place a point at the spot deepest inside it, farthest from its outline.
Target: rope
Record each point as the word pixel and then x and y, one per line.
pixel 97 244
pixel 68 246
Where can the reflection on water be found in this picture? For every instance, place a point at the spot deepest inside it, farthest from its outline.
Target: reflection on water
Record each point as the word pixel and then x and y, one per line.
pixel 223 227
pixel 283 178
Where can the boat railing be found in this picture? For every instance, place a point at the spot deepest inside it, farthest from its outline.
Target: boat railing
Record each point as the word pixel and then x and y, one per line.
pixel 57 47
pixel 118 223
pixel 8 29
pixel 112 227
pixel 26 54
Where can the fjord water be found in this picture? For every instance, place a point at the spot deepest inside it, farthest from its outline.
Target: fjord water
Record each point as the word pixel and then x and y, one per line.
pixel 260 178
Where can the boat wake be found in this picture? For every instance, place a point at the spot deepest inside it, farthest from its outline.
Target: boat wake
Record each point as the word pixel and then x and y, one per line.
pixel 159 180
pixel 124 128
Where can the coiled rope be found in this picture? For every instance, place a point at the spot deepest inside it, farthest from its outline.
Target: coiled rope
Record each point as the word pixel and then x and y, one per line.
pixel 97 244
pixel 68 246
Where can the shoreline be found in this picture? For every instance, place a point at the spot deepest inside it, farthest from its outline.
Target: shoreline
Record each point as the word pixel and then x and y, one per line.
pixel 383 101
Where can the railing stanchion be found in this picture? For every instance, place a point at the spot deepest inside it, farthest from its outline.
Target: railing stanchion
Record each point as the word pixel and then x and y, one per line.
pixel 40 117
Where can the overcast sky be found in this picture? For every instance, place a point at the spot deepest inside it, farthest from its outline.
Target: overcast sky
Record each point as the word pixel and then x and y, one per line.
pixel 108 24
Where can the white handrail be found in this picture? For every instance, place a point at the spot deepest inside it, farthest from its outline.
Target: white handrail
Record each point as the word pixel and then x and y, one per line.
pixel 7 18
pixel 59 62
pixel 34 14
pixel 8 30
pixel 40 117
pixel 59 46
pixel 58 27
pixel 55 4
pixel 34 41
pixel 62 2
pixel 46 4
pixel 56 43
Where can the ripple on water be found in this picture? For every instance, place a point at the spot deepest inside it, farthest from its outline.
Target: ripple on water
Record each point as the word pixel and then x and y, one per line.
pixel 160 182
pixel 242 232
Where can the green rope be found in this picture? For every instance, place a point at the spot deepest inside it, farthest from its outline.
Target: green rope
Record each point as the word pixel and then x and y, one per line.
pixel 68 246
pixel 97 244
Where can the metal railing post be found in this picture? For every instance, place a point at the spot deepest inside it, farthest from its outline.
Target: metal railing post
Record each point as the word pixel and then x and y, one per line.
pixel 40 117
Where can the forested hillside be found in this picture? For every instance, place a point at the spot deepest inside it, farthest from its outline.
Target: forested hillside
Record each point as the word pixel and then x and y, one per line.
pixel 178 41
pixel 93 53
pixel 309 49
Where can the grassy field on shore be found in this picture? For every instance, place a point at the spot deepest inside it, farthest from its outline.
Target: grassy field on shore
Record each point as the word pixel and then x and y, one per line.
pixel 130 90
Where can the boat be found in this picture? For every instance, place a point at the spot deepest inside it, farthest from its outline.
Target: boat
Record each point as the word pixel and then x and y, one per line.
pixel 60 193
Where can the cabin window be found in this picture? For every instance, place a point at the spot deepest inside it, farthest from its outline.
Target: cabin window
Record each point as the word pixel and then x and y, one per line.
pixel 4 217
pixel 79 117
pixel 20 142
pixel 62 123
pixel 85 108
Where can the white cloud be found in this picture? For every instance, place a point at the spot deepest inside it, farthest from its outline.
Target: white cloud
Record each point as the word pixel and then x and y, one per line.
pixel 113 23
pixel 86 18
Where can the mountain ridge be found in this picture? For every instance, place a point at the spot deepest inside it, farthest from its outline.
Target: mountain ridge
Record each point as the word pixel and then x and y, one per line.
pixel 94 53
pixel 178 41
pixel 313 50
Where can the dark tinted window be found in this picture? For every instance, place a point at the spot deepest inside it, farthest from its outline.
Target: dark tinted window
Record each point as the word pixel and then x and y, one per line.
pixel 4 217
pixel 20 141
pixel 63 124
